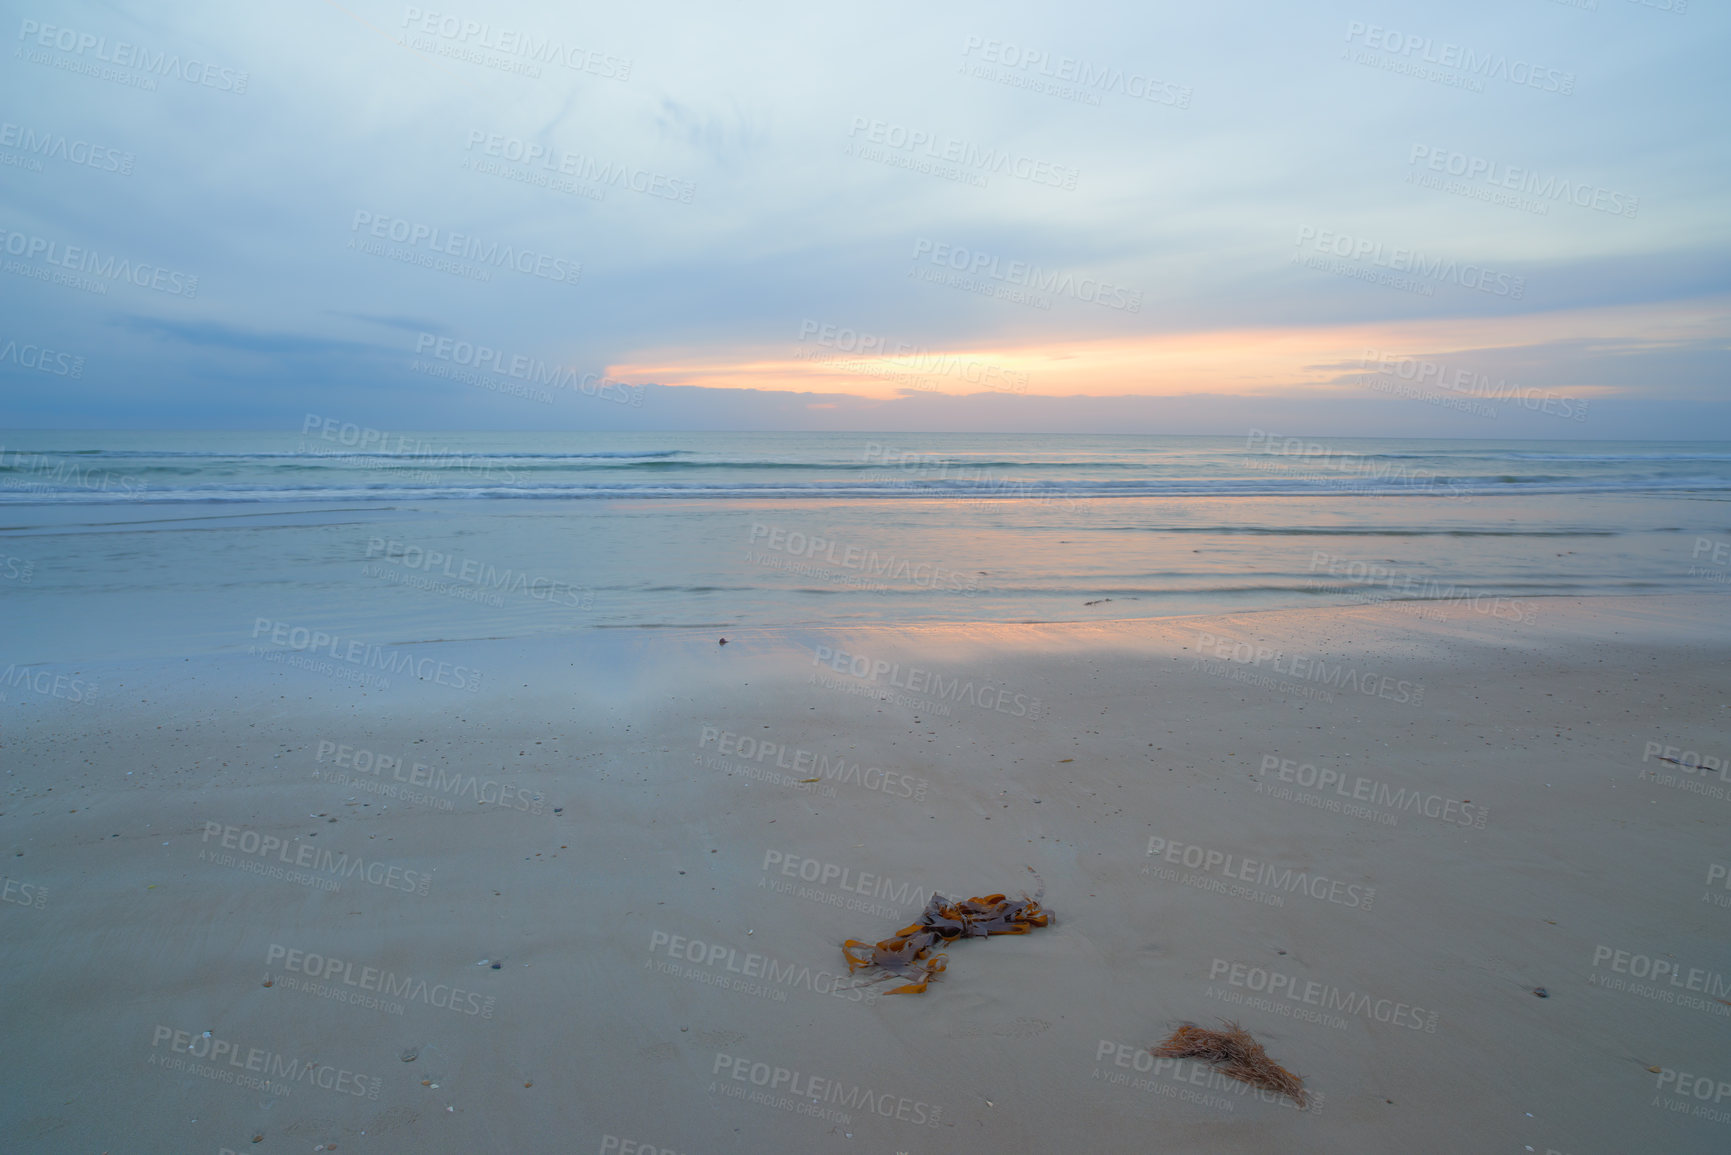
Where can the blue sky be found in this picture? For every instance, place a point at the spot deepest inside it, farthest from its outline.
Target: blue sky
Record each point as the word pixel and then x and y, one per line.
pixel 1465 220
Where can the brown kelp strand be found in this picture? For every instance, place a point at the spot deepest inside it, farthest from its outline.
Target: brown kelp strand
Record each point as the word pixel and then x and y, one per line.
pixel 914 953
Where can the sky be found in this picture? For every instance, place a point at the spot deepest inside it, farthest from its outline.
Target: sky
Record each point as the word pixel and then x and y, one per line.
pixel 1467 220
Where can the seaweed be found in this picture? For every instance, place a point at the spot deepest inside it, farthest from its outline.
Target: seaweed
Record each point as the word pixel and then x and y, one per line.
pixel 1236 1055
pixel 912 953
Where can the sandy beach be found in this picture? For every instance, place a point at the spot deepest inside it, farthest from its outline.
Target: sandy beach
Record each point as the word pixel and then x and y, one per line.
pixel 594 905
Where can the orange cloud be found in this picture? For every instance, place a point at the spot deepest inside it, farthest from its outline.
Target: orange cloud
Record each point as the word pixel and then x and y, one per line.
pixel 1267 361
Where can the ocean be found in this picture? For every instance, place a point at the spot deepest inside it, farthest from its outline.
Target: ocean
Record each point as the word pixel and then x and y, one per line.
pixel 153 544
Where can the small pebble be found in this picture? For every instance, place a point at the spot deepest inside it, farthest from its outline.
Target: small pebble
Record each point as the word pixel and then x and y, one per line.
pixel 410 1054
pixel 1542 992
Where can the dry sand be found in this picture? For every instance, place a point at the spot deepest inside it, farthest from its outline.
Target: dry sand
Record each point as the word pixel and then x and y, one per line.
pixel 668 916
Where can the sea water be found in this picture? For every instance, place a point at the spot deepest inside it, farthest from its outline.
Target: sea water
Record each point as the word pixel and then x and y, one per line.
pixel 143 544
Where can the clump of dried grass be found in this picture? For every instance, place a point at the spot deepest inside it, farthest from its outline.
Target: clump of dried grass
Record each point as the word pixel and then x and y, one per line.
pixel 1236 1055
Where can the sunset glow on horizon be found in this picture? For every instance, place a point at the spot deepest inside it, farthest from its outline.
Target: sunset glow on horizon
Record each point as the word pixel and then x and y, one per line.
pixel 1291 361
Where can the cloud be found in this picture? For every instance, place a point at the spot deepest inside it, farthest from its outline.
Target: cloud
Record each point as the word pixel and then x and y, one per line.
pixel 215 335
pixel 796 214
pixel 407 324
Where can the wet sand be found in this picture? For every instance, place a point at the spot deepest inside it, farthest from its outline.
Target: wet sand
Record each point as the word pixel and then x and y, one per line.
pixel 1368 834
